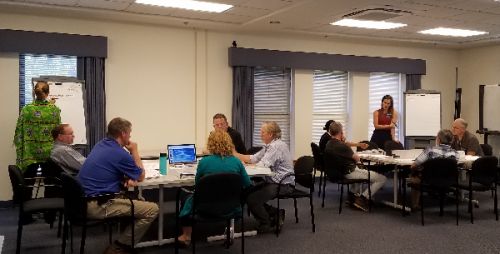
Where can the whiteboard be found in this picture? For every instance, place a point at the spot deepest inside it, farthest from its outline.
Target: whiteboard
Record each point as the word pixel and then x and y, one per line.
pixel 69 97
pixel 491 104
pixel 422 114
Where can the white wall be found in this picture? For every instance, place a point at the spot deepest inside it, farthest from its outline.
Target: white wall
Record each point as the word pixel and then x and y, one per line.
pixel 170 81
pixel 478 66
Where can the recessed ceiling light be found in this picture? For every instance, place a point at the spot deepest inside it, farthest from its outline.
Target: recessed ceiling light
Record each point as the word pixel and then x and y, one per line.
pixel 452 32
pixel 188 4
pixel 367 24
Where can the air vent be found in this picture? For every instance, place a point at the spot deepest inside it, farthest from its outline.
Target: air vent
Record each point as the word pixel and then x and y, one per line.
pixel 376 14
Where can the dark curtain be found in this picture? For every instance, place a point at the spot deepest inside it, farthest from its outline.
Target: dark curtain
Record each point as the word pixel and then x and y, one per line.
pixel 91 69
pixel 413 81
pixel 242 112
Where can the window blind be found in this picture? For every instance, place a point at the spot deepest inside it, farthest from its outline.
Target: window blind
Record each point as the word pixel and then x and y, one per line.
pixel 330 98
pixel 34 66
pixel 272 101
pixel 381 84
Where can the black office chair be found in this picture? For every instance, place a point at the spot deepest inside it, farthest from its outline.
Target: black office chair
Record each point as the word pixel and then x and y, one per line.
pixel 216 197
pixel 440 176
pixel 304 179
pixel 487 149
pixel 318 165
pixel 27 205
pixel 254 150
pixel 391 145
pixel 334 173
pixel 482 177
pixel 371 145
pixel 75 207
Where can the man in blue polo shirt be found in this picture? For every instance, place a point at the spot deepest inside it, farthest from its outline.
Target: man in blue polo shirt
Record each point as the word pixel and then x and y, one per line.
pixel 108 168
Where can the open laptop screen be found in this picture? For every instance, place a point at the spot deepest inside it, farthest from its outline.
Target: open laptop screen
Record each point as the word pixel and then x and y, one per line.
pixel 185 153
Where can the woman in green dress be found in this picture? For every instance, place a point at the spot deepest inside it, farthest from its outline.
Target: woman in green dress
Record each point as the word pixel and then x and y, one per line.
pixel 220 160
pixel 33 138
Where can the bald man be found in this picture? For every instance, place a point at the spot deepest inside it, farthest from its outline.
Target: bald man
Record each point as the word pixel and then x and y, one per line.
pixel 463 140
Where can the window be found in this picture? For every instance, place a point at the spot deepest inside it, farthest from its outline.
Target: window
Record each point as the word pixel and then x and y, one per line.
pixel 33 66
pixel 381 84
pixel 330 93
pixel 272 93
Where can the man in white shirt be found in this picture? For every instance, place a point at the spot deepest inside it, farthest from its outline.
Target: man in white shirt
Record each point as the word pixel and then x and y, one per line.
pixel 62 152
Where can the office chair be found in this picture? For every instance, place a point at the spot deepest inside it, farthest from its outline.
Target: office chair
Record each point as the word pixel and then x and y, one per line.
pixel 334 173
pixel 482 177
pixel 75 207
pixel 440 176
pixel 27 205
pixel 217 197
pixel 304 178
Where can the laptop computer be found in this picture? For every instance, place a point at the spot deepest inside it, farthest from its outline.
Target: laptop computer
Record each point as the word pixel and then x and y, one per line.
pixel 181 154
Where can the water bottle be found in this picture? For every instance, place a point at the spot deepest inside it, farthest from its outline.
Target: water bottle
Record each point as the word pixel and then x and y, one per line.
pixel 163 163
pixel 39 171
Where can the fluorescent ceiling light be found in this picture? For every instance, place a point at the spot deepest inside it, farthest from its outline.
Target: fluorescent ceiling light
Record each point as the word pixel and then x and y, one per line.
pixel 188 4
pixel 452 32
pixel 367 24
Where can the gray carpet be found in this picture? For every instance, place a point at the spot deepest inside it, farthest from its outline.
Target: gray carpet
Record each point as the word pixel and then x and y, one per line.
pixel 382 231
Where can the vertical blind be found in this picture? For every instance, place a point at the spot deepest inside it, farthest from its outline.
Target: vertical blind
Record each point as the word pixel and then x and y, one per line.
pixel 272 101
pixel 34 66
pixel 330 98
pixel 381 84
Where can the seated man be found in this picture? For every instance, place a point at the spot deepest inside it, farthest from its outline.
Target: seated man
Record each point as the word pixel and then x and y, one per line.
pixel 344 156
pixel 107 169
pixel 441 150
pixel 277 157
pixel 463 140
pixel 63 153
pixel 326 137
pixel 220 123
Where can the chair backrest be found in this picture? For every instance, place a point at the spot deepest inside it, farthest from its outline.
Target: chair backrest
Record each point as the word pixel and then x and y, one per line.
pixel 487 149
pixel 18 184
pixel 254 150
pixel 303 168
pixel 484 170
pixel 371 145
pixel 318 157
pixel 333 167
pixel 75 204
pixel 217 195
pixel 390 145
pixel 440 172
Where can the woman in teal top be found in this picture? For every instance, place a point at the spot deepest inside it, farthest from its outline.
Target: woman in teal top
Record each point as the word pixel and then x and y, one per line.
pixel 221 160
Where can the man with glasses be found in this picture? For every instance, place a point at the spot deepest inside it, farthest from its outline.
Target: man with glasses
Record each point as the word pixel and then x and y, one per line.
pixel 220 123
pixel 63 152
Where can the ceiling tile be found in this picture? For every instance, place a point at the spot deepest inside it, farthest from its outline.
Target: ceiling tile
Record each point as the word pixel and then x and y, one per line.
pixel 106 4
pixel 149 9
pixel 247 11
pixel 55 2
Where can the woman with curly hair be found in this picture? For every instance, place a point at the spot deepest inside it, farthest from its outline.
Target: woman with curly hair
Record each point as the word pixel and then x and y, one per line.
pixel 220 160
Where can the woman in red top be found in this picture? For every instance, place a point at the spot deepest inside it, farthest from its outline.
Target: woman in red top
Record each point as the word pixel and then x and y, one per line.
pixel 385 122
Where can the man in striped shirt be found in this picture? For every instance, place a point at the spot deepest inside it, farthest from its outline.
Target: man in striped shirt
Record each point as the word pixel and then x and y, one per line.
pixel 275 155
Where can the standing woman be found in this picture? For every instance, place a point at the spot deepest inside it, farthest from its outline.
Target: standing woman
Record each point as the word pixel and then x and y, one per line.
pixel 33 138
pixel 385 122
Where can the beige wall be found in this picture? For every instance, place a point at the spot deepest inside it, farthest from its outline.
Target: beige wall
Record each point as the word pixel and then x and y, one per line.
pixel 170 81
pixel 478 66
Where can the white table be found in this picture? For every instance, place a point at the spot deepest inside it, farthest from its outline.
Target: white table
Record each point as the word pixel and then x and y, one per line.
pixel 407 158
pixel 173 179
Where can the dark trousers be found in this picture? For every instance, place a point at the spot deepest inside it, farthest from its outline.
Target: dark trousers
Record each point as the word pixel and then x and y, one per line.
pixel 259 195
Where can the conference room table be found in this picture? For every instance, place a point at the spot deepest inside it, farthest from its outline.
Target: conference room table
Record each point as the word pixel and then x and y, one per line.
pixel 402 159
pixel 178 176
